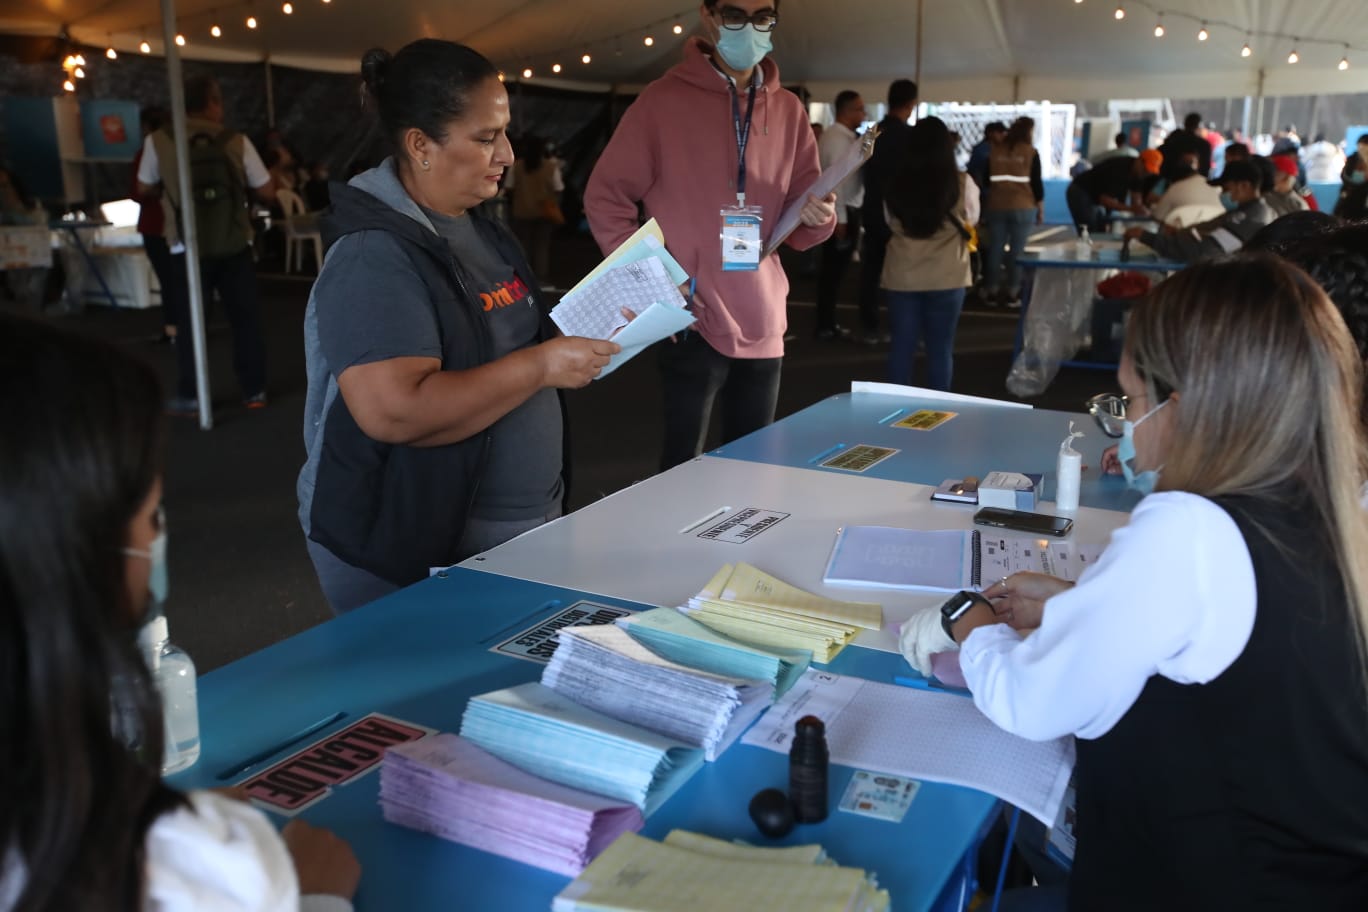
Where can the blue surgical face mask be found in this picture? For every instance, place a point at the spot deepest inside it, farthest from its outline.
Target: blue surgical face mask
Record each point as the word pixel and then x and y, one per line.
pixel 158 583
pixel 743 48
pixel 1228 202
pixel 1145 481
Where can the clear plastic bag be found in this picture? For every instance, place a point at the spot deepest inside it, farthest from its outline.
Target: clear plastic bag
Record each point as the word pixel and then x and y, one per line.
pixel 1056 327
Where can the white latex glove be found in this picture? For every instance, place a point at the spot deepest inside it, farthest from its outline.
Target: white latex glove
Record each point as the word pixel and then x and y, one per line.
pixel 921 637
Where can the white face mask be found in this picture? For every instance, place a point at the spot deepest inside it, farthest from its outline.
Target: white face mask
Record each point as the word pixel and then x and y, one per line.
pixel 158 582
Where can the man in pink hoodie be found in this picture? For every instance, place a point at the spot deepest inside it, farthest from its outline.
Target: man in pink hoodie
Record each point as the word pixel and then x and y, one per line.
pixel 677 152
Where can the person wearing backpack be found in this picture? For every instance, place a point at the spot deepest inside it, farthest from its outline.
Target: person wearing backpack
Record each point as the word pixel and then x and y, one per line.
pixel 225 168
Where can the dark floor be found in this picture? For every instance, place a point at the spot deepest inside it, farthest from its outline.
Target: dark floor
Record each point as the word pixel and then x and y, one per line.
pixel 240 576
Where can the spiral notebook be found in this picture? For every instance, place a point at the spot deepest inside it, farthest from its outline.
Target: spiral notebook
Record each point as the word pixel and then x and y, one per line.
pixel 882 557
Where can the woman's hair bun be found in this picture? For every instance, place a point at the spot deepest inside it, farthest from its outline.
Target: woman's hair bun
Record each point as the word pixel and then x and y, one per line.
pixel 375 65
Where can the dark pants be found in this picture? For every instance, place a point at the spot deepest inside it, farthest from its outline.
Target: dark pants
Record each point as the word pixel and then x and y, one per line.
pixel 170 270
pixel 871 273
pixel 1085 210
pixel 931 318
pixel 234 278
pixel 695 375
pixel 836 255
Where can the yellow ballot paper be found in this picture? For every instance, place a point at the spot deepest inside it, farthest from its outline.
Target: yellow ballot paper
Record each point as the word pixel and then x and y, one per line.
pixel 743 602
pixel 636 873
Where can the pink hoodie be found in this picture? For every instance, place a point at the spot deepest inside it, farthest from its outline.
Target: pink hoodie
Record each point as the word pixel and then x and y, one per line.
pixel 675 152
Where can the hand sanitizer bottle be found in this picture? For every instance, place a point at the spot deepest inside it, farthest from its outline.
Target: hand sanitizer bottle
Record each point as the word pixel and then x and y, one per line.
pixel 1068 475
pixel 174 674
pixel 1083 247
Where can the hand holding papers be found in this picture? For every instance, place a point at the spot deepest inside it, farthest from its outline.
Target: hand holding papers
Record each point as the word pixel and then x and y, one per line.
pixel 640 277
pixel 829 180
pixel 447 786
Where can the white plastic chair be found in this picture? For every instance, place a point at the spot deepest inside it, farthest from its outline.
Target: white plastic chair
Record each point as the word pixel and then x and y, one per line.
pixel 300 228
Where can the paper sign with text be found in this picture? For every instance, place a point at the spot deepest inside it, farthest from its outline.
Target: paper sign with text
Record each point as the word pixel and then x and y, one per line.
pixel 538 642
pixel 924 420
pixel 743 525
pixel 308 776
pixel 860 458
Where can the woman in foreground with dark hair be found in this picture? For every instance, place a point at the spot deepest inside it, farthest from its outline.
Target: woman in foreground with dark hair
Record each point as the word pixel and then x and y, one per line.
pixel 85 821
pixel 929 204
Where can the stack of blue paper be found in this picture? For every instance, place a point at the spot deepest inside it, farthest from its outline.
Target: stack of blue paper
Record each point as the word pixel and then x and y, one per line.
pixel 681 639
pixel 542 732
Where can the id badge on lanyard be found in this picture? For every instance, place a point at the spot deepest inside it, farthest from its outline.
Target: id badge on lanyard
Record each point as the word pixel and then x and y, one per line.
pixel 741 225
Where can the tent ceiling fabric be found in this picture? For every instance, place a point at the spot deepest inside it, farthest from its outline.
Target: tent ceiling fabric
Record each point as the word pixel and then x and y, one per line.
pixel 975 50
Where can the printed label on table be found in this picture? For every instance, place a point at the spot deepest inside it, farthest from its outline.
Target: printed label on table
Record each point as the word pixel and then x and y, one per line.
pixel 859 458
pixel 879 795
pixel 1062 840
pixel 743 525
pixel 308 776
pixel 924 420
pixel 538 642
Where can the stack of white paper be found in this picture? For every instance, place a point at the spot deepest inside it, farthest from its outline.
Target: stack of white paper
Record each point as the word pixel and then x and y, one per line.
pixel 744 602
pixel 684 640
pixel 636 874
pixel 548 735
pixel 606 670
pixel 447 786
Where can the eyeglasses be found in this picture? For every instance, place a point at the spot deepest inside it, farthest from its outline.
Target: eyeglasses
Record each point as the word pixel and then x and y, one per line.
pixel 1109 411
pixel 735 19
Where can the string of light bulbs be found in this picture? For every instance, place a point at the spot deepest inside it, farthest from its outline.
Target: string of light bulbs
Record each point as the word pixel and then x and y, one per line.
pixel 555 60
pixel 1205 26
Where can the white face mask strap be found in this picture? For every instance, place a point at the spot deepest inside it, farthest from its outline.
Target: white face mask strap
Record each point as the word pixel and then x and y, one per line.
pixel 1145 417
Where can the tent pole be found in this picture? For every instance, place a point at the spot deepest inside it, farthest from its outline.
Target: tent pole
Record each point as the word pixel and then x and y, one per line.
pixel 187 207
pixel 1244 117
pixel 1259 114
pixel 921 9
pixel 270 91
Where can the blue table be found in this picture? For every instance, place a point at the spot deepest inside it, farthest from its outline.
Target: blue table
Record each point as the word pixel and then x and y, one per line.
pixel 980 439
pixel 421 653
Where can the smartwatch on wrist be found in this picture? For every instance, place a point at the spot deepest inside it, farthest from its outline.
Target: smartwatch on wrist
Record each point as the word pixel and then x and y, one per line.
pixel 957 606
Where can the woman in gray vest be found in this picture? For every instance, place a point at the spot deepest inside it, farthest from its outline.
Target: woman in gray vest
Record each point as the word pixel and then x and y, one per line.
pixel 433 424
pixel 1211 663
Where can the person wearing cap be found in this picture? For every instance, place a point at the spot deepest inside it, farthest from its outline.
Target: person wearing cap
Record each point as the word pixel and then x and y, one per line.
pixel 1284 199
pixel 1117 184
pixel 1247 213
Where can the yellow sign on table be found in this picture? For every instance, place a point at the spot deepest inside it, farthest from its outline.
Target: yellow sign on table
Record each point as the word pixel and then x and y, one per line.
pixel 924 420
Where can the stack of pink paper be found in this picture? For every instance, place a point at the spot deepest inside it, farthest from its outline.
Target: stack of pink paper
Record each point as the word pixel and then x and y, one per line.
pixel 447 786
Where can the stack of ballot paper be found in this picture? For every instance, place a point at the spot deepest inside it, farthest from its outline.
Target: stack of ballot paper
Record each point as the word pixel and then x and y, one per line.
pixel 447 786
pixel 640 277
pixel 753 606
pixel 548 735
pixel 688 872
pixel 681 639
pixel 606 670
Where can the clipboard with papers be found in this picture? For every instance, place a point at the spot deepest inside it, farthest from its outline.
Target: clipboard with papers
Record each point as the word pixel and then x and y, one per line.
pixel 827 182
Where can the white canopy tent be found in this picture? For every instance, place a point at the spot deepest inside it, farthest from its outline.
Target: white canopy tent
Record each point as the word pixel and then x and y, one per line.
pixel 960 50
pixel 974 50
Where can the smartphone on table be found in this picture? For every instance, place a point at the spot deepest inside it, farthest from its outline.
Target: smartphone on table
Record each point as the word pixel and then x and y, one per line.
pixel 1021 521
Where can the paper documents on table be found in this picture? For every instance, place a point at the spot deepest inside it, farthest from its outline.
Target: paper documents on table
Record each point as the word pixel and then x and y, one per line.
pixel 684 640
pixel 641 277
pixel 829 180
pixel 606 670
pixel 542 732
pixel 906 731
pixel 446 786
pixel 750 605
pixel 636 874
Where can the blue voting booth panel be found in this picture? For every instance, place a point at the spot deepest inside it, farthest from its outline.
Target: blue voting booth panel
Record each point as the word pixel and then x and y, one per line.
pixel 981 438
pixel 421 653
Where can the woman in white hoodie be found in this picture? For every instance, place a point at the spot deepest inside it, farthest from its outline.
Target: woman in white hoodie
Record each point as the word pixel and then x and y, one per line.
pixel 85 821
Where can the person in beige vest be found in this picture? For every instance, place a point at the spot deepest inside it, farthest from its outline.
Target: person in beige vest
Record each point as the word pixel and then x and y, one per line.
pixel 1015 201
pixel 225 170
pixel 929 205
pixel 536 185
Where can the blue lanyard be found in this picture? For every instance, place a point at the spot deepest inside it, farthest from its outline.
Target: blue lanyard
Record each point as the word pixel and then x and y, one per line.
pixel 742 137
